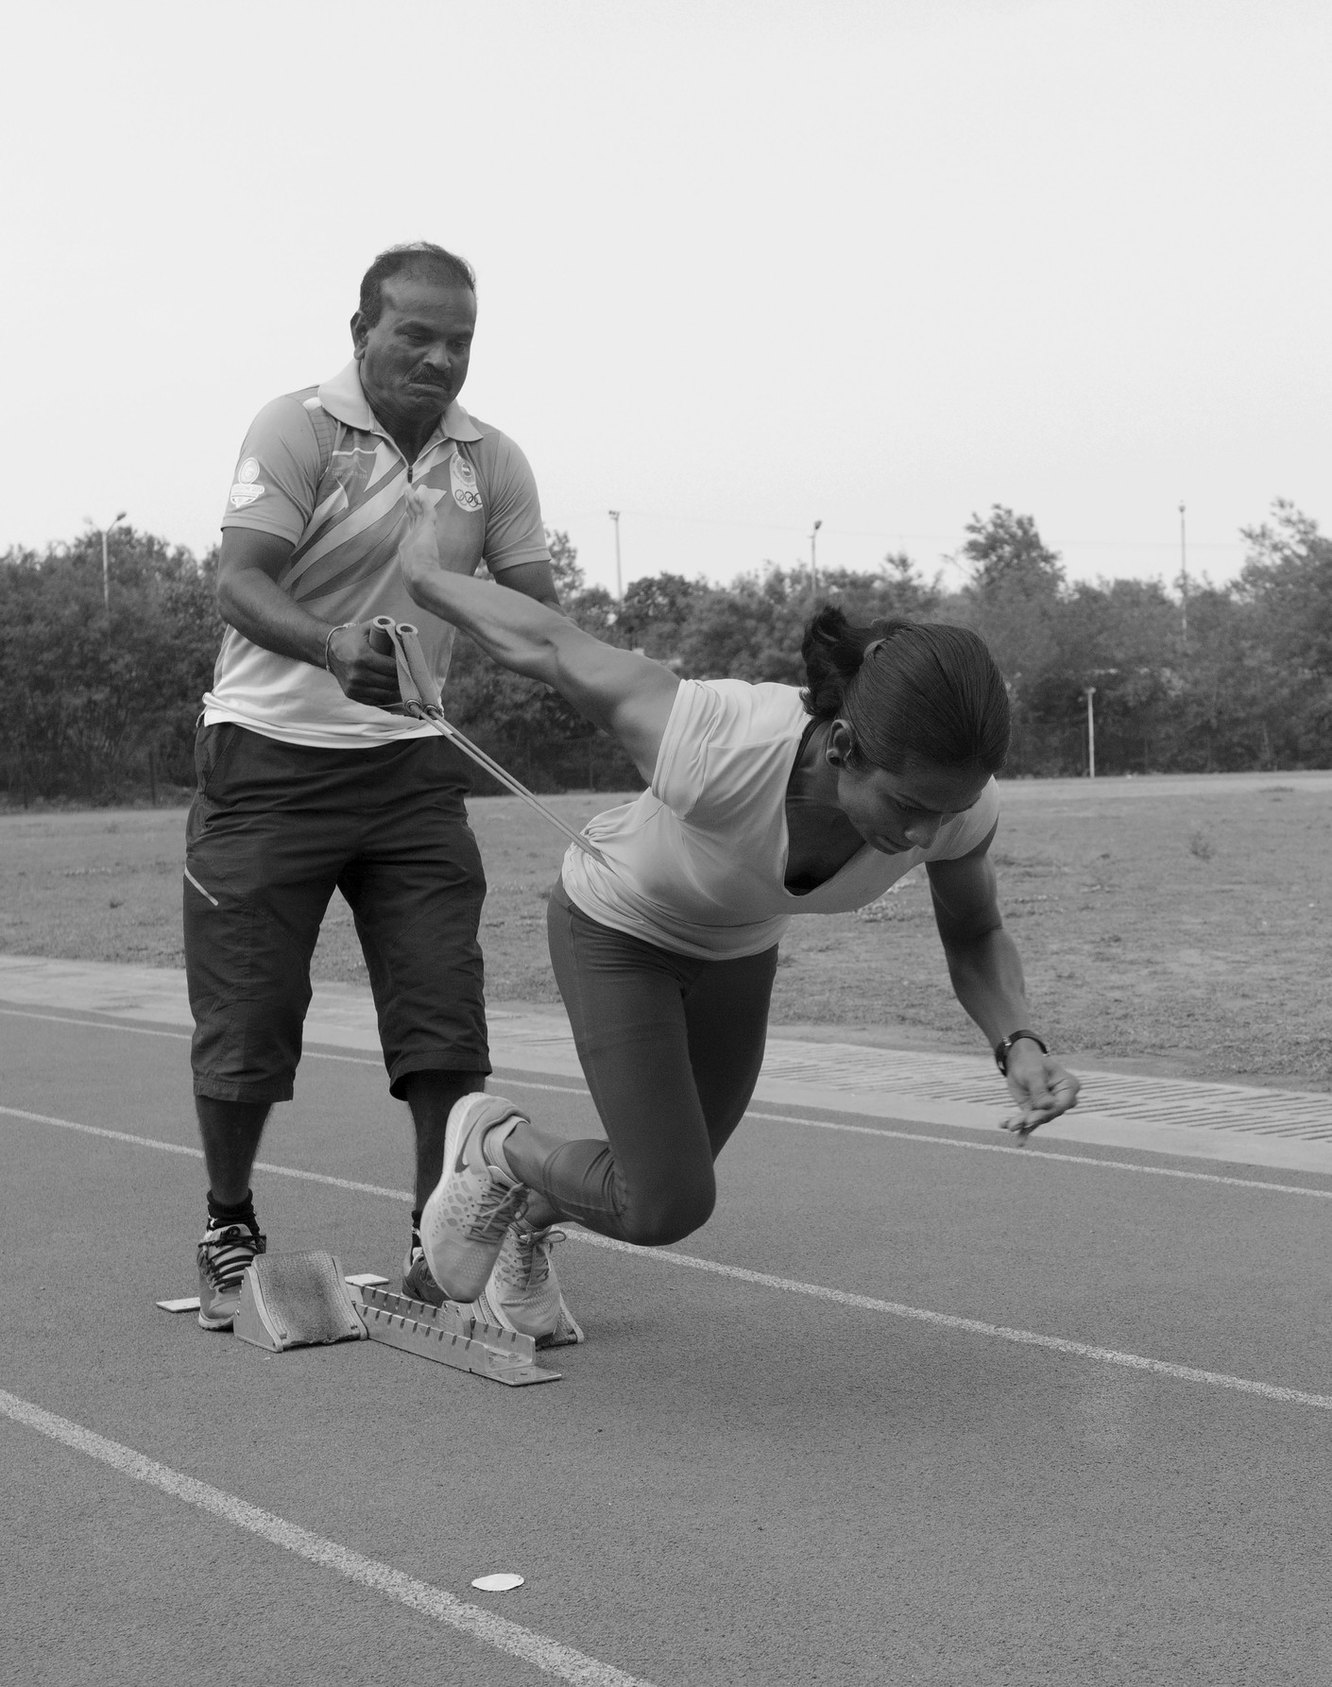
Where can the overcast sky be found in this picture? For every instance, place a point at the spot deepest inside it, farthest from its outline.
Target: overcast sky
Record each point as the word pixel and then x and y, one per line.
pixel 742 266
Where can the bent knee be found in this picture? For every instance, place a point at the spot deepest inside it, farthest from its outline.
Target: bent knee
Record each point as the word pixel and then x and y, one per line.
pixel 652 1224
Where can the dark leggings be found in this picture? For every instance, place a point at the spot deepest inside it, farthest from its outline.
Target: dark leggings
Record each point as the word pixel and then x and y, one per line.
pixel 671 1048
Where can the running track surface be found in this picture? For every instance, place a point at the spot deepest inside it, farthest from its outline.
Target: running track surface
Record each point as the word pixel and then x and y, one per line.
pixel 909 1410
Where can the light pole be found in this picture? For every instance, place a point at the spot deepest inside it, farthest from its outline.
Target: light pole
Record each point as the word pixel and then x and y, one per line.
pixel 1183 580
pixel 813 563
pixel 619 587
pixel 106 562
pixel 1089 691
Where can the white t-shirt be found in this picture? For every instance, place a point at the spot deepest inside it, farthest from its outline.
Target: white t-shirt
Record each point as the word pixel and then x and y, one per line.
pixel 697 864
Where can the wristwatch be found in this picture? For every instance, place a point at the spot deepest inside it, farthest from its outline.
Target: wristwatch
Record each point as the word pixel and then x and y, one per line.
pixel 1001 1049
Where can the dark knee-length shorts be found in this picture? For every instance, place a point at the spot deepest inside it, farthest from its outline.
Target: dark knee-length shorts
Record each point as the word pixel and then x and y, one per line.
pixel 273 830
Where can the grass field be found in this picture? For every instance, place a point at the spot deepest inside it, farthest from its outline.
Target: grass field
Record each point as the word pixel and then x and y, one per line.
pixel 1171 925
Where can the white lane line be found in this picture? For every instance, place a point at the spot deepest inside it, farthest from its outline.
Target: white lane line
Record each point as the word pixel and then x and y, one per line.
pixel 546 1654
pixel 1025 1147
pixel 197 1154
pixel 95 1024
pixel 788 1285
pixel 101 1130
pixel 1024 1150
pixel 174 1036
pixel 973 1326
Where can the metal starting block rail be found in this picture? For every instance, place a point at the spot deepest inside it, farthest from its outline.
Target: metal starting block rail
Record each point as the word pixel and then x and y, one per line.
pixel 450 1335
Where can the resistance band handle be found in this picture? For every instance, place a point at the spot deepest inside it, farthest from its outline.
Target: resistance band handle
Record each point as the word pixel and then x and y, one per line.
pixel 408 642
pixel 379 636
pixel 386 628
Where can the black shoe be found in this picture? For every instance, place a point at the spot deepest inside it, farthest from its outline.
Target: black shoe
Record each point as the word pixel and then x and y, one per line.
pixel 223 1255
pixel 417 1283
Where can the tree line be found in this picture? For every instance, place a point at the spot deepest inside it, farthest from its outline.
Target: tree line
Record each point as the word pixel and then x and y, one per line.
pixel 99 694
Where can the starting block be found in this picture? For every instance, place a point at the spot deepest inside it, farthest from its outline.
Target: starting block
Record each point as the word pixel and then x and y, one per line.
pixel 451 1335
pixel 296 1300
pixel 303 1300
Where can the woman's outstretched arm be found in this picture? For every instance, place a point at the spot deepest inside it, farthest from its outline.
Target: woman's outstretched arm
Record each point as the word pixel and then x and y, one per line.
pixel 986 972
pixel 627 695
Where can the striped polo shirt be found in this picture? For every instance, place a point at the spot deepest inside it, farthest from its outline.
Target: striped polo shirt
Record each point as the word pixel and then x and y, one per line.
pixel 317 469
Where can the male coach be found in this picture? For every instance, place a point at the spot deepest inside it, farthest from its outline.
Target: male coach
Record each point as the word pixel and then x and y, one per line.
pixel 306 781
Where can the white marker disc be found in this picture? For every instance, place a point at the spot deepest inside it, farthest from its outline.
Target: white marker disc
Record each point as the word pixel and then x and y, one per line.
pixel 502 1582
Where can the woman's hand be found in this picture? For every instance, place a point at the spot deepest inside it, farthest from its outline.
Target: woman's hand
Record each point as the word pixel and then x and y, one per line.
pixel 1042 1088
pixel 418 549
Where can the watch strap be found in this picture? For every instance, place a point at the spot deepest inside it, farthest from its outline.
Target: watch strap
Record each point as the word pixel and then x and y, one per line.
pixel 1001 1049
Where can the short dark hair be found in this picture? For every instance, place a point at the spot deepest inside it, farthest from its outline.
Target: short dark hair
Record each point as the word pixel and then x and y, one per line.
pixel 926 691
pixel 418 257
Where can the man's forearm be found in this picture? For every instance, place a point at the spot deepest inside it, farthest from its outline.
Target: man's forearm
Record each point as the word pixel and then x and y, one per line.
pixel 259 609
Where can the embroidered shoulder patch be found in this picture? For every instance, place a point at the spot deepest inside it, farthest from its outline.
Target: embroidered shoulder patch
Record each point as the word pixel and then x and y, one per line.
pixel 462 483
pixel 248 486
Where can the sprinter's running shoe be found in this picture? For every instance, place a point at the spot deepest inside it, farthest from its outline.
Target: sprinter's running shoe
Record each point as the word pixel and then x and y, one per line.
pixel 475 1200
pixel 523 1292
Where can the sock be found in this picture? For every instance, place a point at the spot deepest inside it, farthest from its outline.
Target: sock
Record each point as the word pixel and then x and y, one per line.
pixel 492 1147
pixel 220 1213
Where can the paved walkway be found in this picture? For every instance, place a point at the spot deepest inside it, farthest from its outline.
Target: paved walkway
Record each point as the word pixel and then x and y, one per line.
pixel 1285 1129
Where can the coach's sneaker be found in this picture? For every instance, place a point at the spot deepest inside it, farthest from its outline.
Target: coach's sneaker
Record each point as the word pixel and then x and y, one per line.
pixel 417 1283
pixel 475 1200
pixel 523 1292
pixel 223 1254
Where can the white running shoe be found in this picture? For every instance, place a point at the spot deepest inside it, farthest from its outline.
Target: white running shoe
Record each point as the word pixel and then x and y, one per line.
pixel 523 1293
pixel 474 1202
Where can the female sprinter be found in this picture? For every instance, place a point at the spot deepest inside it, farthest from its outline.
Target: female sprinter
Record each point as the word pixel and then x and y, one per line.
pixel 762 801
